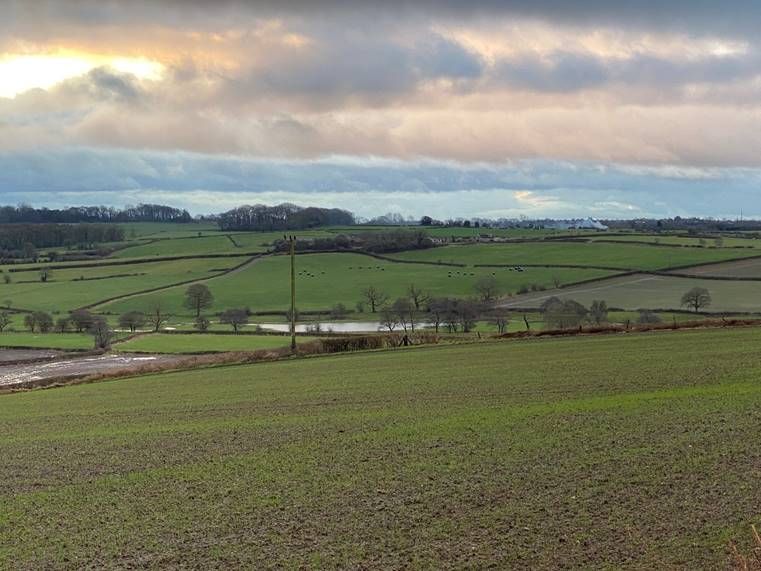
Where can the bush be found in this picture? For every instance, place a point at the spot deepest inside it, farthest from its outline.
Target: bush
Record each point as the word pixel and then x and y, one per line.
pixel 647 317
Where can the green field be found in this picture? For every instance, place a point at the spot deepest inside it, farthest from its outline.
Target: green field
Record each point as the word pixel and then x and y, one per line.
pixel 66 290
pixel 211 243
pixel 71 341
pixel 654 292
pixel 636 451
pixel 665 239
pixel 624 256
pixel 205 343
pixel 327 279
pixel 153 230
pixel 216 244
pixel 522 233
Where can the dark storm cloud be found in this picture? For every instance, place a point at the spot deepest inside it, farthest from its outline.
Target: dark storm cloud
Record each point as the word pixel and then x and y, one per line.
pixel 741 17
pixel 561 71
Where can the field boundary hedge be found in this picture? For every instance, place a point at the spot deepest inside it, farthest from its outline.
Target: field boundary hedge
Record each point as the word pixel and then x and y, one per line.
pixel 633 328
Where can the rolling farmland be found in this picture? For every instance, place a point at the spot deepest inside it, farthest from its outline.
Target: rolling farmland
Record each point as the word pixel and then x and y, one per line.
pixel 447 456
pixel 327 279
pixel 592 254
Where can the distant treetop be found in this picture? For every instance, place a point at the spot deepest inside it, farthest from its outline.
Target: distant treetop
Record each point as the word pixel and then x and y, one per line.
pixel 283 217
pixel 75 214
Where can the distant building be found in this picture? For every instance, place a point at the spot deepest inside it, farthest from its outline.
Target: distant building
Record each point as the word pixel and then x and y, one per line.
pixel 577 224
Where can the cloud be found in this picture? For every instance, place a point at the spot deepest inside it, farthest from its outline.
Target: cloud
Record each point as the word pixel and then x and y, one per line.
pixel 567 71
pixel 259 97
pixel 371 186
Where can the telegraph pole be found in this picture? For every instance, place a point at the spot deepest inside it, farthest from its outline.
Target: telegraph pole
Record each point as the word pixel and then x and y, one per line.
pixel 292 240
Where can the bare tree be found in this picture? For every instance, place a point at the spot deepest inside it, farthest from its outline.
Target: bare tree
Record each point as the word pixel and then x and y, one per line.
pixel 697 298
pixel 563 313
pixel 437 309
pixel 82 320
pixel 157 317
pixel 404 310
pixel 202 323
pixel 132 320
pixel 468 312
pixel 501 319
pixel 598 311
pixel 198 297
pixel 101 333
pixel 235 318
pixel 647 317
pixel 5 320
pixel 451 316
pixel 38 320
pixel 389 319
pixel 338 311
pixel 418 296
pixel 374 297
pixel 62 324
pixel 487 288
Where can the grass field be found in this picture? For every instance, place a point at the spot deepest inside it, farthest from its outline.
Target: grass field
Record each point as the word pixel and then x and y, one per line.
pixel 636 451
pixel 624 256
pixel 654 292
pixel 46 340
pixel 199 246
pixel 211 243
pixel 66 290
pixel 665 239
pixel 205 343
pixel 327 279
pixel 152 230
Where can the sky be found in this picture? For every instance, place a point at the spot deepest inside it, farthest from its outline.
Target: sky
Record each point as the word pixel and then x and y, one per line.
pixel 538 108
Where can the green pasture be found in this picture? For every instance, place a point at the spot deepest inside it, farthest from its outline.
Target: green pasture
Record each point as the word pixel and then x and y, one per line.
pixel 205 343
pixel 324 280
pixel 626 451
pixel 64 341
pixel 152 230
pixel 624 256
pixel 666 239
pixel 517 233
pixel 212 243
pixel 66 290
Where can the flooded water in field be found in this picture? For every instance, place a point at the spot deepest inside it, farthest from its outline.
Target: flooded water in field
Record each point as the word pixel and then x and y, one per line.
pixel 20 374
pixel 330 326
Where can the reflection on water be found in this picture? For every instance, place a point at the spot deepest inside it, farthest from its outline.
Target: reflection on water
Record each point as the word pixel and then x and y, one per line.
pixel 328 326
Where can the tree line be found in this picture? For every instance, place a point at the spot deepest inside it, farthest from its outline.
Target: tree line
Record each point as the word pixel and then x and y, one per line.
pixel 376 242
pixel 282 217
pixel 22 240
pixel 76 214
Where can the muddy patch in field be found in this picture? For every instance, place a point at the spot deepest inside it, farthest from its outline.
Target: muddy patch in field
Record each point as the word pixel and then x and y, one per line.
pixel 16 355
pixel 30 373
